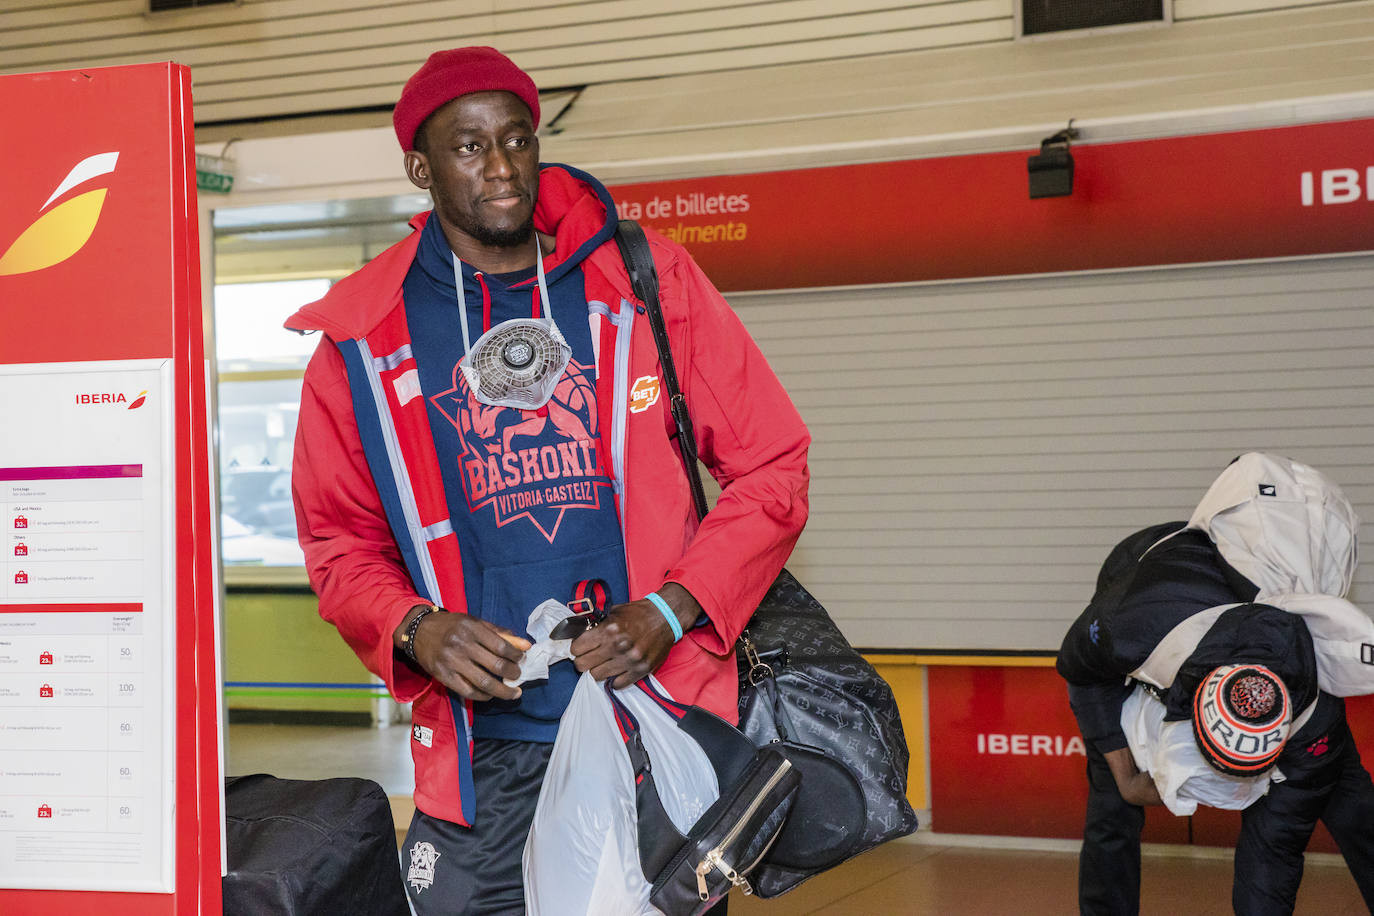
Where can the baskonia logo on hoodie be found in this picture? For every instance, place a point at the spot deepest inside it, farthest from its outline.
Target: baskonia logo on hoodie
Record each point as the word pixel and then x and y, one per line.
pixel 528 464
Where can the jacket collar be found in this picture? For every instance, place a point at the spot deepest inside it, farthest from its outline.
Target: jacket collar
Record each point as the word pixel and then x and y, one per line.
pixel 573 207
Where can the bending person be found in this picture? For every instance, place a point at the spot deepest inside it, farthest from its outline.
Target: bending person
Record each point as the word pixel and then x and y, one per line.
pixel 1230 635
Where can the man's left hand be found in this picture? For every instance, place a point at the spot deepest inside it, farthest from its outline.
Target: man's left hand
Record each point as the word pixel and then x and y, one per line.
pixel 1136 788
pixel 634 639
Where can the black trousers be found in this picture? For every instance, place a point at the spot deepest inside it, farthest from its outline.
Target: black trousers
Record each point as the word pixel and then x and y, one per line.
pixel 1109 863
pixel 477 870
pixel 452 870
pixel 1325 781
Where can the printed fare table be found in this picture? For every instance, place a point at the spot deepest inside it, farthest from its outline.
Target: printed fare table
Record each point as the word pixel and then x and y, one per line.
pixel 70 659
pixel 85 654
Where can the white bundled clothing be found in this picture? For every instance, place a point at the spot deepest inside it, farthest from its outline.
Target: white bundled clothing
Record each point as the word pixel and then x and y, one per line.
pixel 1169 753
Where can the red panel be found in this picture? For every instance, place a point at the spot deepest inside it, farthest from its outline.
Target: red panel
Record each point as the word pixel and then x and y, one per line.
pixel 50 903
pixel 1180 200
pixel 91 305
pixel 1006 757
pixel 131 291
pixel 1006 760
pixel 131 608
pixel 199 815
pixel 978 785
pixel 1359 712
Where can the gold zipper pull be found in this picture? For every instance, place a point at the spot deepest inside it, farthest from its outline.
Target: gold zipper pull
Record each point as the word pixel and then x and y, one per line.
pixel 703 867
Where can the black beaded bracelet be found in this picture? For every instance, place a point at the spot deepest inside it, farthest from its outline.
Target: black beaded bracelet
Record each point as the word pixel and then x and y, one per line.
pixel 408 640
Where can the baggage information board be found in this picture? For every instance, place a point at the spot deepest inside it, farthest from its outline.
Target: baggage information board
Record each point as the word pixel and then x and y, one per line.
pixel 110 758
pixel 86 635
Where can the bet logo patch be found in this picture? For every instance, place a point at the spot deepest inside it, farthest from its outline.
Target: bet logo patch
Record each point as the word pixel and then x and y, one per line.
pixel 644 393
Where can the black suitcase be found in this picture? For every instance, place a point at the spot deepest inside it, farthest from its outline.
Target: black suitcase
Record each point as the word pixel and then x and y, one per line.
pixel 310 848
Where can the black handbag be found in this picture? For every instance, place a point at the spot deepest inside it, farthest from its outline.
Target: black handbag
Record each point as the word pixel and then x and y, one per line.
pixel 802 684
pixel 803 688
pixel 689 873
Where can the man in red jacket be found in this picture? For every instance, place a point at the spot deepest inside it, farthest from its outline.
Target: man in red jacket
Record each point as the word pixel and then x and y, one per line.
pixel 483 429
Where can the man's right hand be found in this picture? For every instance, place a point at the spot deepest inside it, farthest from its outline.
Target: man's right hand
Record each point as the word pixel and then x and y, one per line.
pixel 469 656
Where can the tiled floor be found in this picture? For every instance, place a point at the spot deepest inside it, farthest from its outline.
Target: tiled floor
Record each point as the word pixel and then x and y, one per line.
pixel 927 874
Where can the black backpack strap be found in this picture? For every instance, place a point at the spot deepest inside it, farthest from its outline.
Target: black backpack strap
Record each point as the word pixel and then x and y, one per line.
pixel 639 262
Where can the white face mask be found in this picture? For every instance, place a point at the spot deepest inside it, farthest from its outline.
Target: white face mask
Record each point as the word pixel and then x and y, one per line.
pixel 519 362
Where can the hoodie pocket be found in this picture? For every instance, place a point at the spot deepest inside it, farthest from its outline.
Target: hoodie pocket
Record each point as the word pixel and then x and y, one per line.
pixel 510 593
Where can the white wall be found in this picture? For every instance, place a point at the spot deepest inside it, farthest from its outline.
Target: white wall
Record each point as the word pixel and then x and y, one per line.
pixel 980 446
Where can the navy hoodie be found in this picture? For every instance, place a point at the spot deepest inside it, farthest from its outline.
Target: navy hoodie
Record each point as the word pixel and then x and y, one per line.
pixel 529 497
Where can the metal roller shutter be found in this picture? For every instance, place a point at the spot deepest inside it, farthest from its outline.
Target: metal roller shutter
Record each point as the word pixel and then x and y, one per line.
pixel 980 446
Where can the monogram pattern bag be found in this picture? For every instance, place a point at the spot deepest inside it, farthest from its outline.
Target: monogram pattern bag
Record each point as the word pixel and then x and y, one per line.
pixel 803 688
pixel 803 685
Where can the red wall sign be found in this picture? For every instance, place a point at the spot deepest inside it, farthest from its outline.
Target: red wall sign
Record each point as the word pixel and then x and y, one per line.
pixel 1216 197
pixel 1006 759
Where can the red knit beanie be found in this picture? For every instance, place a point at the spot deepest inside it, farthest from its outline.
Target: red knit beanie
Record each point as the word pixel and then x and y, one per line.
pixel 449 74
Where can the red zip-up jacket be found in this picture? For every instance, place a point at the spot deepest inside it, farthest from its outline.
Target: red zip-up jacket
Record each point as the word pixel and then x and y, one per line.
pixel 372 514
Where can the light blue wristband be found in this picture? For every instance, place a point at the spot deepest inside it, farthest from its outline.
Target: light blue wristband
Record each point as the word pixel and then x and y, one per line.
pixel 657 601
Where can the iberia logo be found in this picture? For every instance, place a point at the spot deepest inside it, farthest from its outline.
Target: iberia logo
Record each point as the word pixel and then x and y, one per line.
pixel 116 397
pixel 62 231
pixel 644 394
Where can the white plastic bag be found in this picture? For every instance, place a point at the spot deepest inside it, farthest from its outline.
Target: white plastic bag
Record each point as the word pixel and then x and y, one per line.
pixel 1169 753
pixel 582 854
pixel 543 651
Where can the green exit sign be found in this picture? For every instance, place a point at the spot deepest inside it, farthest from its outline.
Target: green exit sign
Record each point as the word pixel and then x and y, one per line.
pixel 214 174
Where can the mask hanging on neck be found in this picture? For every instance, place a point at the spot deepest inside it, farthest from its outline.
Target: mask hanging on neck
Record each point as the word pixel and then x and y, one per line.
pixel 519 362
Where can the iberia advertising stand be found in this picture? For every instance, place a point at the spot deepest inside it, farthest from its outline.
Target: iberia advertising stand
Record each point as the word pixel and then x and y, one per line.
pixel 109 731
